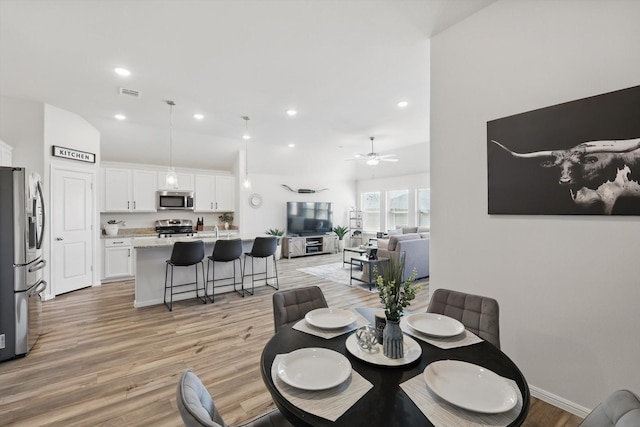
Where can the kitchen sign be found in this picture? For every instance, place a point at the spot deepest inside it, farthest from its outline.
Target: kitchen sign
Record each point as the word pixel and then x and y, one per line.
pixel 71 154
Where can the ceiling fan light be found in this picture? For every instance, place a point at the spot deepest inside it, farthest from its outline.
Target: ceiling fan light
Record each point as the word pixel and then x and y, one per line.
pixel 372 162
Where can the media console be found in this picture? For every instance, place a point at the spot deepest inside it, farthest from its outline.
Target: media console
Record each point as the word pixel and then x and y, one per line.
pixel 293 246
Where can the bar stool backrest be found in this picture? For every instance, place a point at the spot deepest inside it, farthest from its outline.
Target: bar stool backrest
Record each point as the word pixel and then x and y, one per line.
pixel 264 247
pixel 227 250
pixel 187 253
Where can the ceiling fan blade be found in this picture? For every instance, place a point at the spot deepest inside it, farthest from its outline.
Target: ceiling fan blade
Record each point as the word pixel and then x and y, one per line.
pixel 387 156
pixel 388 160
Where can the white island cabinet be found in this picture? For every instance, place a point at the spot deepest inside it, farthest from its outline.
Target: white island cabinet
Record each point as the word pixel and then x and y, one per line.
pixel 118 259
pixel 151 254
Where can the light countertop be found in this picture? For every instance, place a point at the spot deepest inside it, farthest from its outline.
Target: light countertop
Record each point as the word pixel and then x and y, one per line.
pixel 160 242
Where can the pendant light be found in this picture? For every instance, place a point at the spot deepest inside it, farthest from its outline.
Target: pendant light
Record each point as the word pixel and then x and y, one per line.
pixel 246 184
pixel 172 178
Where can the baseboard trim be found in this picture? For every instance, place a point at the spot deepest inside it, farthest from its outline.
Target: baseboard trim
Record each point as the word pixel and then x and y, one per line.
pixel 559 402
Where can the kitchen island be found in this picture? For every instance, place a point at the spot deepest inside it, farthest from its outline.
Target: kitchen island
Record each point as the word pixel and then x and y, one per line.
pixel 151 254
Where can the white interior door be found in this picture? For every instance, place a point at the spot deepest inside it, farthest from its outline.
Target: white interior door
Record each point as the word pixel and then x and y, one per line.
pixel 72 220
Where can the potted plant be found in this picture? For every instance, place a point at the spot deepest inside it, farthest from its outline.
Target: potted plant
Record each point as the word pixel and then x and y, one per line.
pixel 395 295
pixel 278 233
pixel 226 219
pixel 341 231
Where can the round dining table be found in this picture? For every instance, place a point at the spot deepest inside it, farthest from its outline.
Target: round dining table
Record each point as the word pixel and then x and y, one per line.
pixel 386 404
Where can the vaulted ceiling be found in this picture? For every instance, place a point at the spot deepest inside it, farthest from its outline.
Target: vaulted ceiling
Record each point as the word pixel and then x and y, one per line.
pixel 343 65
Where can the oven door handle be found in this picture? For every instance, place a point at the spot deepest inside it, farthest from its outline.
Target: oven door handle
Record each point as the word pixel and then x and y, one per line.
pixel 39 287
pixel 38 266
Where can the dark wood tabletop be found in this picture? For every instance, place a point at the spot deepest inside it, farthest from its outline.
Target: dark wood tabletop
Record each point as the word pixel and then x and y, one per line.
pixel 386 404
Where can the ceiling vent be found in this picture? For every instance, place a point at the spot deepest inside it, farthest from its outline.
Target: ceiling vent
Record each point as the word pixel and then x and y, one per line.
pixel 129 92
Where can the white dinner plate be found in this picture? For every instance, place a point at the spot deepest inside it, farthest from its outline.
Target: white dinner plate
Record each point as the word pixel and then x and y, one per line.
pixel 470 386
pixel 412 352
pixel 435 325
pixel 314 368
pixel 330 318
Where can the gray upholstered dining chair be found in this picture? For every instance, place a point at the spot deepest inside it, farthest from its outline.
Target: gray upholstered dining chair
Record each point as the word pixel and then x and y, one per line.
pixel 197 408
pixel 480 315
pixel 293 304
pixel 620 409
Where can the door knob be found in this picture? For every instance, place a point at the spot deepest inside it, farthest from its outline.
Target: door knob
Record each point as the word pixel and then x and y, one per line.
pixel 59 238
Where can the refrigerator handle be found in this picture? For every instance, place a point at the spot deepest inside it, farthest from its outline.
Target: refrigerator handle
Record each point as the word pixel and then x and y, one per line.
pixel 41 237
pixel 38 266
pixel 40 286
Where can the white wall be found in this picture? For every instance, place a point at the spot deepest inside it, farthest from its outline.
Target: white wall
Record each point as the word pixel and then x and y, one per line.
pixel 22 127
pixel 273 212
pixel 568 287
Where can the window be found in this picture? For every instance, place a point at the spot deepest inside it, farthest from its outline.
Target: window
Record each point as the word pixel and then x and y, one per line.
pixel 397 208
pixel 371 211
pixel 424 207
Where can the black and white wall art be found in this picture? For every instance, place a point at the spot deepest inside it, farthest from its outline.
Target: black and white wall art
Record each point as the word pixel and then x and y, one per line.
pixel 577 158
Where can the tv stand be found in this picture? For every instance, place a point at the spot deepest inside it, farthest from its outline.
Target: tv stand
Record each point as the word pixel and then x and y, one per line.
pixel 295 246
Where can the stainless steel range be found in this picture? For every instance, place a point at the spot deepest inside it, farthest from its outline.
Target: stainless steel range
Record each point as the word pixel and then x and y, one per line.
pixel 174 227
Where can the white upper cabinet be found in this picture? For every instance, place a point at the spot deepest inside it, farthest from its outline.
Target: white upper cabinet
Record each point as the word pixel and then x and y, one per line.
pixel 185 181
pixel 225 193
pixel 127 190
pixel 144 191
pixel 205 193
pixel 214 193
pixel 6 154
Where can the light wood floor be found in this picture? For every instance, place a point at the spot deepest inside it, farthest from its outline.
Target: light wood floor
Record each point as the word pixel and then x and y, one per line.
pixel 102 362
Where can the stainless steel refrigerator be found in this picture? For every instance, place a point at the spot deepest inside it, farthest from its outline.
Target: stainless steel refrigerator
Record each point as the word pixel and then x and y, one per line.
pixel 22 222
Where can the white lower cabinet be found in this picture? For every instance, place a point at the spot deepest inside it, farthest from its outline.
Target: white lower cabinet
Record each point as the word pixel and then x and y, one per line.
pixel 118 259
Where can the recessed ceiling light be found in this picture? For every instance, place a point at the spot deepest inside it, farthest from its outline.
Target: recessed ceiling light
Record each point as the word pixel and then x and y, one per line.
pixel 403 104
pixel 198 116
pixel 291 145
pixel 120 117
pixel 122 72
pixel 291 113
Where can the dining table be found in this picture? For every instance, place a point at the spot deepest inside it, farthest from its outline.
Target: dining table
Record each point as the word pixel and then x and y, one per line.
pixel 386 402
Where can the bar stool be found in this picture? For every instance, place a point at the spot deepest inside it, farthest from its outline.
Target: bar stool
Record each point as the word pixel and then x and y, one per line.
pixel 225 251
pixel 263 247
pixel 184 254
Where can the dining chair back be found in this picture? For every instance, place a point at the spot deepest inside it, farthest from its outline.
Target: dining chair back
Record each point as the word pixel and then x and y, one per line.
pixel 478 314
pixel 225 251
pixel 293 304
pixel 197 408
pixel 620 409
pixel 183 254
pixel 263 247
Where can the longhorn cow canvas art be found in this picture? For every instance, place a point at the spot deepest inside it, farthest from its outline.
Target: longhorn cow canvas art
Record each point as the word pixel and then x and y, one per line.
pixel 577 158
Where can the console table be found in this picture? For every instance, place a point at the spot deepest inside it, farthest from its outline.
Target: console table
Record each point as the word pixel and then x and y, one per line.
pixel 294 246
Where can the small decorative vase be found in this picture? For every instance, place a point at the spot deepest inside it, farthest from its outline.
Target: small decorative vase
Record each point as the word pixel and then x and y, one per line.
pixel 392 340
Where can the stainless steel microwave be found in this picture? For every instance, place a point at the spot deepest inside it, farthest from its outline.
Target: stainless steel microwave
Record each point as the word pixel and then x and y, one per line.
pixel 174 200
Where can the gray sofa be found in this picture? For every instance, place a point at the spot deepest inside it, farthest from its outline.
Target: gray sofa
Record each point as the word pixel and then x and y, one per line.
pixel 415 247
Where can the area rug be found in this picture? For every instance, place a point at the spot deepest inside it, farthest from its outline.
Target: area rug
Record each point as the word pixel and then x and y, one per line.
pixel 337 272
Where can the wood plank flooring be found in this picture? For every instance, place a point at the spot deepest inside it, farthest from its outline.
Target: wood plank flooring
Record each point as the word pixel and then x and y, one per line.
pixel 102 362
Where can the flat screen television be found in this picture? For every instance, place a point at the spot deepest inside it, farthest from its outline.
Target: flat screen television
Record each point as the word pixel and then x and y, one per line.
pixel 308 218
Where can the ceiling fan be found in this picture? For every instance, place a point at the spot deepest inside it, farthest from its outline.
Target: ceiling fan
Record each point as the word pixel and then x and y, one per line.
pixel 374 158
